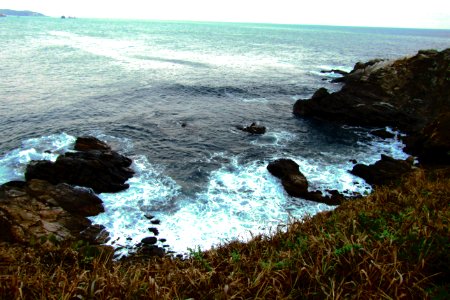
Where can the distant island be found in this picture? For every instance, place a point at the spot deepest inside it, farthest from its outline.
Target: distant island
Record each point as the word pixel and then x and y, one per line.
pixel 19 13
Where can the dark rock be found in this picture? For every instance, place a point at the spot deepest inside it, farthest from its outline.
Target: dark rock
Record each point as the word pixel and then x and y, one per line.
pixel 293 181
pixel 353 161
pixel 151 240
pixel 163 240
pixel 385 171
pixel 101 170
pixel 95 234
pixel 296 184
pixel 432 145
pixel 320 93
pixel 152 251
pixel 336 71
pixel 35 209
pixel 148 216
pixel 382 133
pixel 75 200
pixel 253 129
pixel 154 230
pixel 155 222
pixel 405 94
pixel 87 143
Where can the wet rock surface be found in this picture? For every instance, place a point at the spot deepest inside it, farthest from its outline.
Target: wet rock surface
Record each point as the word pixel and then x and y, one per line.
pixel 96 166
pixel 57 197
pixel 296 184
pixel 385 171
pixel 253 128
pixel 406 94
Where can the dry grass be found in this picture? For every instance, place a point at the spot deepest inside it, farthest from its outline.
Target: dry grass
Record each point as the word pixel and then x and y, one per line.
pixel 393 244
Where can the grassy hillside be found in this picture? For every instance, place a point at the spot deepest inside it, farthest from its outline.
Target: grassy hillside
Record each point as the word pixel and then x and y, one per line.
pixel 392 244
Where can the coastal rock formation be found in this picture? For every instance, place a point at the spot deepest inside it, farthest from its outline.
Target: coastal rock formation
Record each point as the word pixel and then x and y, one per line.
pixel 88 143
pixel 253 128
pixel 35 210
pixel 432 144
pixel 406 94
pixel 385 171
pixel 296 184
pixel 95 166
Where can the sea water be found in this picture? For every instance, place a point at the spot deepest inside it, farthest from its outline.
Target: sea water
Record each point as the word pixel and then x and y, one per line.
pixel 169 95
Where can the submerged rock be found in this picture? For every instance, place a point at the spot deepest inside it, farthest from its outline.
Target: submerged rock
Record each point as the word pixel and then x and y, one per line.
pixel 253 129
pixel 96 166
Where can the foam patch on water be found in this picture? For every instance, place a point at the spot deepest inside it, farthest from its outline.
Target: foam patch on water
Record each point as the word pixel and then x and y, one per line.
pixel 150 192
pixel 240 200
pixel 13 163
pixel 273 138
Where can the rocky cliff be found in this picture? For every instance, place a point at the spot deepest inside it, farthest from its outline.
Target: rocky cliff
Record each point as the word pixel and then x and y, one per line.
pixel 411 94
pixel 406 94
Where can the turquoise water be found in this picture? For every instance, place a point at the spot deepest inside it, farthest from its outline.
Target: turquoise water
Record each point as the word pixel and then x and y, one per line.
pixel 135 83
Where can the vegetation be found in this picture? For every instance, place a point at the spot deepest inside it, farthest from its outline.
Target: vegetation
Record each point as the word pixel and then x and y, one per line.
pixel 392 244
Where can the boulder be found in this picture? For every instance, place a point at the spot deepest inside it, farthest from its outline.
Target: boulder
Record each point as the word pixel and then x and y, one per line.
pixel 253 129
pixel 385 171
pixel 296 184
pixel 406 94
pixel 87 143
pixel 96 167
pixel 30 211
pixel 293 181
pixel 151 240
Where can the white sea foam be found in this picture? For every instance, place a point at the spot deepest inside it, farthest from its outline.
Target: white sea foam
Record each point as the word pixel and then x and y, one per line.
pixel 239 202
pixel 150 192
pixel 241 199
pixel 274 138
pixel 13 163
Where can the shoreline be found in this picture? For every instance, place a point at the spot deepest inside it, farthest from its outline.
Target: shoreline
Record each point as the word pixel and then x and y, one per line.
pixel 392 242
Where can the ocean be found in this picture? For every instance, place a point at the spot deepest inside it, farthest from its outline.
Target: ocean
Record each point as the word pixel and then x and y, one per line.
pixel 169 95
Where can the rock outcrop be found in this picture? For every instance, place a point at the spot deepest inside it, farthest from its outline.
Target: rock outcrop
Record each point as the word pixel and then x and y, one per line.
pixel 253 128
pixel 293 181
pixel 33 210
pixel 406 94
pixel 296 184
pixel 385 171
pixel 432 144
pixel 47 207
pixel 95 166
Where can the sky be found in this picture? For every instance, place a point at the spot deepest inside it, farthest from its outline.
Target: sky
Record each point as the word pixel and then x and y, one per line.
pixel 379 13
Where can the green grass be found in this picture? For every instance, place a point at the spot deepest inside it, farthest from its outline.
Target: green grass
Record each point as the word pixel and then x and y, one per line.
pixel 391 244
